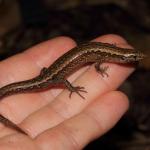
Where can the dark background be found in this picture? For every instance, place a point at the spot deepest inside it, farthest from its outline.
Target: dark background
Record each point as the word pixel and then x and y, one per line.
pixel 25 23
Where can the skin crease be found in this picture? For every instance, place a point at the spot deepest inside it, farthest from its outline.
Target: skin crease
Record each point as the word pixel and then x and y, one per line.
pixel 50 118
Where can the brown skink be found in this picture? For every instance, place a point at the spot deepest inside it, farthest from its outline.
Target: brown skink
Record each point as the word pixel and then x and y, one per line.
pixel 56 74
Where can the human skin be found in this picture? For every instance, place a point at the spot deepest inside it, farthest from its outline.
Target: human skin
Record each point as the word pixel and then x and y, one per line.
pixel 50 118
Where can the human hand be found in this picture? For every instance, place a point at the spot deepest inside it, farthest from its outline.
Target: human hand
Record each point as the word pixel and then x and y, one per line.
pixel 50 118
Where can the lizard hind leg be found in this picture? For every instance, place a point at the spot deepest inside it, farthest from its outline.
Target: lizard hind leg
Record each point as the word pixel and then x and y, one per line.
pixel 43 71
pixel 101 70
pixel 76 89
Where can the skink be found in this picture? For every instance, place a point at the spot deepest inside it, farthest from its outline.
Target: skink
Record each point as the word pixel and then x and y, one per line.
pixel 56 74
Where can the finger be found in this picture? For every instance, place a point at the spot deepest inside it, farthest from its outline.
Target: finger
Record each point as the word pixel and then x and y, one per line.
pixel 27 65
pixel 63 107
pixel 93 122
pixel 17 142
